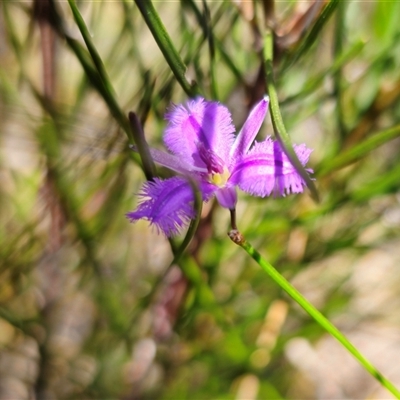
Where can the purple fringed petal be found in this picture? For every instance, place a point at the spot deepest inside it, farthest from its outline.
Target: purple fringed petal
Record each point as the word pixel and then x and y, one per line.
pixel 266 169
pixel 250 129
pixel 303 154
pixel 203 121
pixel 167 204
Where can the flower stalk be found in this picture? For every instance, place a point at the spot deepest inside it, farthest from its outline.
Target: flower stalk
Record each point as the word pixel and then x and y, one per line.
pixel 238 238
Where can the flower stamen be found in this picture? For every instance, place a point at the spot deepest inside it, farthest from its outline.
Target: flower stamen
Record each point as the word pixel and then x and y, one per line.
pixel 219 179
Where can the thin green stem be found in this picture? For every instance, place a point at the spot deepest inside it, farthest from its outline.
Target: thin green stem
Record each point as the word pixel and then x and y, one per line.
pixel 238 239
pixel 97 61
pixel 97 82
pixel 166 46
pixel 314 34
pixel 95 70
pixel 276 117
pixel 219 42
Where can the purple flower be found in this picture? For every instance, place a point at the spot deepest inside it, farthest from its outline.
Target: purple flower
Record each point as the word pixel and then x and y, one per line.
pixel 203 147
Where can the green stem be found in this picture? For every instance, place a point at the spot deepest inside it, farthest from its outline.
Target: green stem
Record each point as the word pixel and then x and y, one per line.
pixel 98 63
pixel 166 46
pixel 98 84
pixel 95 70
pixel 238 239
pixel 314 34
pixel 276 117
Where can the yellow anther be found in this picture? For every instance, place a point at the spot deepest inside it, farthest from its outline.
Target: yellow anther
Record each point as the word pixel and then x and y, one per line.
pixel 219 179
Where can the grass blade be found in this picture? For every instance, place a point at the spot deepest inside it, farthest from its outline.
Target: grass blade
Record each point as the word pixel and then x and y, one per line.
pixel 166 46
pixel 309 40
pixel 359 151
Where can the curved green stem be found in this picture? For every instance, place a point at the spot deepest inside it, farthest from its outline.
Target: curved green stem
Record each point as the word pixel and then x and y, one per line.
pixel 277 121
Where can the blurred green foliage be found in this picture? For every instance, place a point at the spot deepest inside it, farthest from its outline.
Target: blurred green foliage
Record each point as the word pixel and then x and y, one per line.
pixel 90 306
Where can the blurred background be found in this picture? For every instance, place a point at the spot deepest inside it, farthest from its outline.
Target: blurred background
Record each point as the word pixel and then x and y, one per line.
pixel 90 306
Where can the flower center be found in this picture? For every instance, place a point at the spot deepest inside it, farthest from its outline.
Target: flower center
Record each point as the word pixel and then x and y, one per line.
pixel 219 179
pixel 218 174
pixel 213 162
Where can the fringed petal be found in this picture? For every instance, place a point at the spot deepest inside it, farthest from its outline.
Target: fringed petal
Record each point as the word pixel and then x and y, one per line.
pixel 167 204
pixel 202 121
pixel 266 169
